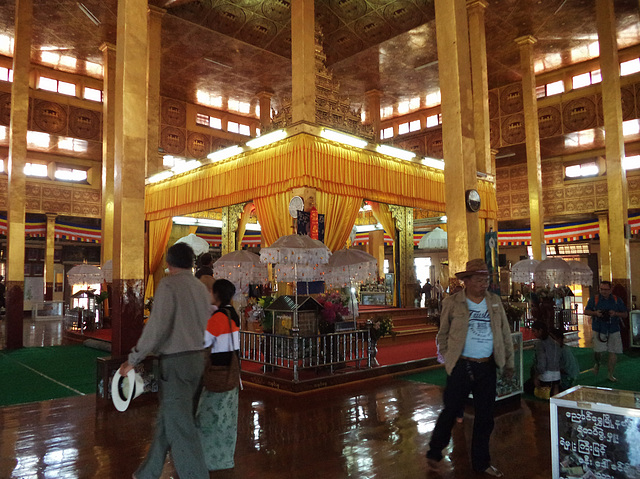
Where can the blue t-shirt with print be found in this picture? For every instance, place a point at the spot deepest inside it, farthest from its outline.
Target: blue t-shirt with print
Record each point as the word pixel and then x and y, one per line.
pixel 609 304
pixel 479 342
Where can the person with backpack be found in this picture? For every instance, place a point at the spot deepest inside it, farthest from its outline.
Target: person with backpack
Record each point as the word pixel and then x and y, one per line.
pixel 607 312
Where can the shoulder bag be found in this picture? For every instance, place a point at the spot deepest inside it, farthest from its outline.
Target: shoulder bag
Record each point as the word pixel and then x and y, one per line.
pixel 220 379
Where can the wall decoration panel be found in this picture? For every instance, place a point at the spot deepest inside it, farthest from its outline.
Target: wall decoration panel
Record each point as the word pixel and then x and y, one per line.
pixel 494 133
pixel 50 117
pixel 511 99
pixel 435 147
pixel 198 144
pixel 173 112
pixel 5 109
pixel 494 105
pixel 173 140
pixel 512 131
pixel 579 114
pixel 84 123
pixel 549 121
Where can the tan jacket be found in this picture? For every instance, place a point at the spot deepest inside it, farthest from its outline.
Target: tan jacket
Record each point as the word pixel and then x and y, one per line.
pixel 454 324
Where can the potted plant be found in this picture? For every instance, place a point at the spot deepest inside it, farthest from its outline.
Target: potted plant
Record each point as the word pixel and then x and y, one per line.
pixel 379 327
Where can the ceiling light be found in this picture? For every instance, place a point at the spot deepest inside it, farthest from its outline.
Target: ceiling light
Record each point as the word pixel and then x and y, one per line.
pixel 163 175
pixel 433 163
pixel 88 13
pixel 267 139
pixel 225 153
pixel 209 222
pixel 396 152
pixel 185 166
pixel 185 220
pixel 342 138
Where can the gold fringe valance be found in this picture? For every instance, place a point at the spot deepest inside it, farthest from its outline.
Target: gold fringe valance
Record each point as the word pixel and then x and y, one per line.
pixel 305 160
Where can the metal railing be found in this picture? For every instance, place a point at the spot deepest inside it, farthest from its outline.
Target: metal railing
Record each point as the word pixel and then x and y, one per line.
pixel 297 352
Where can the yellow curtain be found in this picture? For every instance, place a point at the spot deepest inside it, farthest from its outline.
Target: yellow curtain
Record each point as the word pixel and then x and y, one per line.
pixel 301 160
pixel 382 214
pixel 340 216
pixel 273 215
pixel 242 224
pixel 159 232
pixel 193 229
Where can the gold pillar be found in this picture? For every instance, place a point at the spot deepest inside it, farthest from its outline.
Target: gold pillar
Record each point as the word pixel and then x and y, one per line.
pixel 376 249
pixel 303 62
pixel 372 110
pixel 478 45
pixel 108 146
pixel 617 194
pixel 49 273
pixel 154 159
pixel 605 251
pixel 534 170
pixel 130 160
pixel 230 217
pixel 493 152
pixel 264 97
pixel 406 276
pixel 16 183
pixel 457 131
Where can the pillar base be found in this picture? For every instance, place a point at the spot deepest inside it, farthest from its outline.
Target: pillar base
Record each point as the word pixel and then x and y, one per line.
pixel 127 319
pixel 14 314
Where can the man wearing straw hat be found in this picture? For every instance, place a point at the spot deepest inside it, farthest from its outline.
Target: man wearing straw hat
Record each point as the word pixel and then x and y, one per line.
pixel 475 340
pixel 175 332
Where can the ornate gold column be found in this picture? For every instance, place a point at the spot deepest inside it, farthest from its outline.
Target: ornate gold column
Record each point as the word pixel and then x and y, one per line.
pixel 406 277
pixel 478 45
pixel 534 170
pixel 264 97
pixel 230 217
pixel 605 251
pixel 303 62
pixel 154 159
pixel 108 147
pixel 457 131
pixel 372 110
pixel 617 193
pixel 16 184
pixel 376 248
pixel 130 161
pixel 49 274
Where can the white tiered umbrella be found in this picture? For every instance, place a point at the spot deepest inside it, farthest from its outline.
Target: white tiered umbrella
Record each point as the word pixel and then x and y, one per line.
pixel 435 239
pixel 553 271
pixel 84 274
pixel 581 273
pixel 348 266
pixel 297 254
pixel 241 267
pixel 523 271
pixel 198 245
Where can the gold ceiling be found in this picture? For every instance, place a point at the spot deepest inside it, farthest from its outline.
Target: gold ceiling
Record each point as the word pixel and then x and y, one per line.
pixel 237 48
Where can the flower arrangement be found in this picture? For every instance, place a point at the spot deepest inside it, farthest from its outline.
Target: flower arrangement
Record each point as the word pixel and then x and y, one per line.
pixel 381 326
pixel 546 293
pixel 514 314
pixel 333 309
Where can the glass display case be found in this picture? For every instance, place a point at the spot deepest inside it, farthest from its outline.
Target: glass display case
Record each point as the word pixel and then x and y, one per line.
pixel 595 433
pixel 506 388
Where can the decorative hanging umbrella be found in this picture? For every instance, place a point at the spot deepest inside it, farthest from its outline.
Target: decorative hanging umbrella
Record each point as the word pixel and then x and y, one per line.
pixel 298 254
pixel 198 245
pixel 107 271
pixel 348 266
pixel 435 239
pixel 241 267
pixel 552 271
pixel 581 273
pixel 84 274
pixel 523 271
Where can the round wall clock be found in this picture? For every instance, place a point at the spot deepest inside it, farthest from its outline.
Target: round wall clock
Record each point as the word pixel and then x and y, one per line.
pixel 472 199
pixel 295 204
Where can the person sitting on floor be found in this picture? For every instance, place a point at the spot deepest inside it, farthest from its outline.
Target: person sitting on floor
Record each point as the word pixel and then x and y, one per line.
pixel 569 367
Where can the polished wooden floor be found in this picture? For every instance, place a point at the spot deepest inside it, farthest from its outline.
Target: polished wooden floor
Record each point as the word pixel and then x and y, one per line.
pixel 371 430
pixel 376 429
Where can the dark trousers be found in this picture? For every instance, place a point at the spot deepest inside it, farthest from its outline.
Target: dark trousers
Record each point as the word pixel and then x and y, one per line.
pixel 466 377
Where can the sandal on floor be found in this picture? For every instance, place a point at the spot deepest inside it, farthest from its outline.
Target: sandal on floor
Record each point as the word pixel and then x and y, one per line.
pixel 492 471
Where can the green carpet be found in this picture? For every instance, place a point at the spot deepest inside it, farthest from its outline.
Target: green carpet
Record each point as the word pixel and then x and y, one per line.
pixel 626 371
pixel 39 374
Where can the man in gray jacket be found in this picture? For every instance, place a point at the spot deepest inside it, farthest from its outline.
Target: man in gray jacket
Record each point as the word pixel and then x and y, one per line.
pixel 175 332
pixel 475 340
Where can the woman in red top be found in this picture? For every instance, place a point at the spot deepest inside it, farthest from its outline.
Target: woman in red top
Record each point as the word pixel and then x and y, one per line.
pixel 217 415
